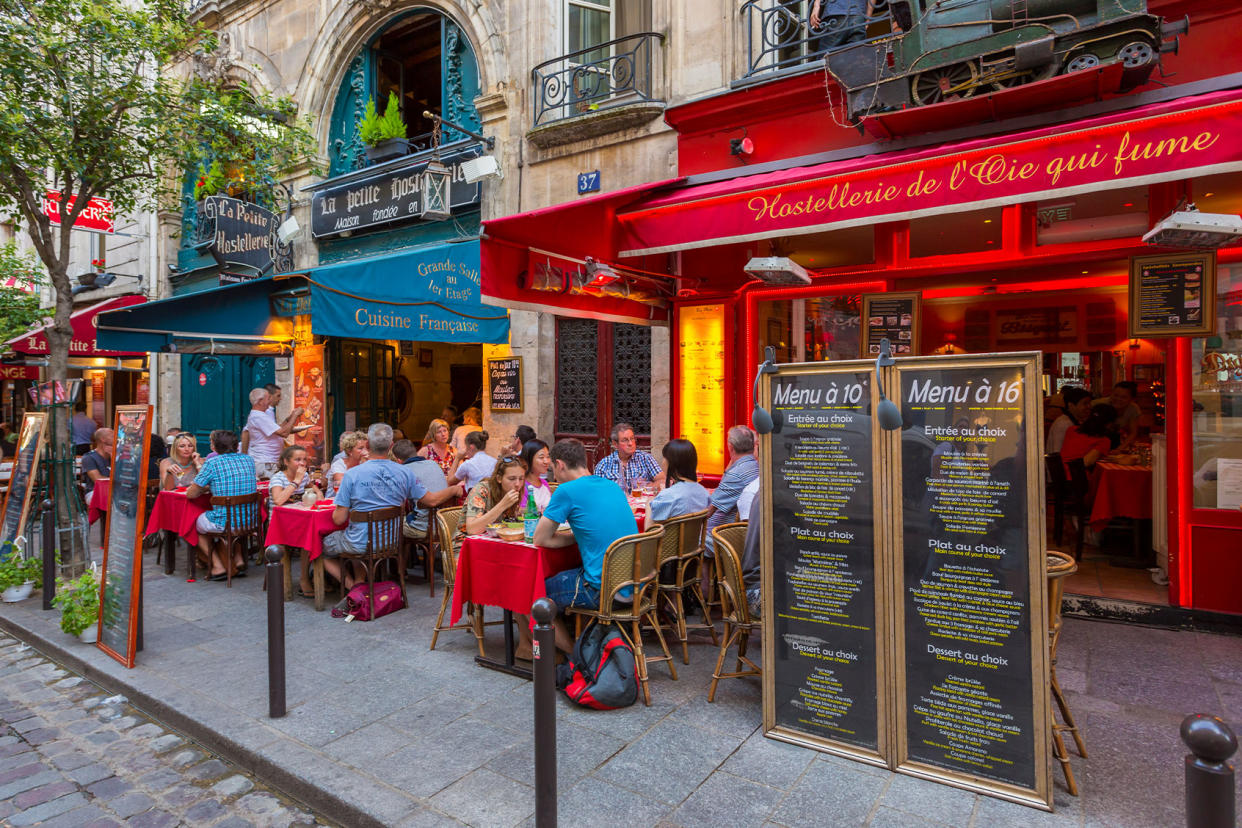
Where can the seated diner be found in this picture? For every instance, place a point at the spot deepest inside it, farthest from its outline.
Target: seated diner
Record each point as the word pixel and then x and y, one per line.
pixel 1089 442
pixel 180 468
pixel 292 479
pixel 228 474
pixel 426 472
pixel 475 464
pixel 682 493
pixel 537 461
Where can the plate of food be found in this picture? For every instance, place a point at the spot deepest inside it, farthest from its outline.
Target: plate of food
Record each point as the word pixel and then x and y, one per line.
pixel 511 532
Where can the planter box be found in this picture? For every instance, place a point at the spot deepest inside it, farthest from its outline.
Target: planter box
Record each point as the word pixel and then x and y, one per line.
pixel 387 150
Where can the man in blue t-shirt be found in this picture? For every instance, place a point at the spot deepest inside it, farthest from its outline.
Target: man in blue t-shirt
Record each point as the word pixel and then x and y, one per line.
pixel 375 484
pixel 596 510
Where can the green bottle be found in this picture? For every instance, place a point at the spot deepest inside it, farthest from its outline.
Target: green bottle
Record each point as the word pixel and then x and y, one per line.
pixel 531 518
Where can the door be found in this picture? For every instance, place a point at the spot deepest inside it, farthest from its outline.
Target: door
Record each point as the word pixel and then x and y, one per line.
pixel 215 392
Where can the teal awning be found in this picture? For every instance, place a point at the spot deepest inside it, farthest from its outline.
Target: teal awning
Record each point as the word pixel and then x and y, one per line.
pixel 427 294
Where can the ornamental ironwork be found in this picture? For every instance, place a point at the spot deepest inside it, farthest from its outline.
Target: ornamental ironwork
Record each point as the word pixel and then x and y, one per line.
pixel 577 387
pixel 631 376
pixel 605 76
pixel 778 33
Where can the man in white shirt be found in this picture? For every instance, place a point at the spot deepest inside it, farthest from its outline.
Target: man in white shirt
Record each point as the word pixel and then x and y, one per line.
pixel 267 437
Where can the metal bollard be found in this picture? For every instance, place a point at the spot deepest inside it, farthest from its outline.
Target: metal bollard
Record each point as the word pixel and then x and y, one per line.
pixel 273 571
pixel 49 554
pixel 544 646
pixel 1209 776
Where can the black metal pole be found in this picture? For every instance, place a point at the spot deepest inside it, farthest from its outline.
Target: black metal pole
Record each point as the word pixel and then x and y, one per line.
pixel 544 645
pixel 1209 775
pixel 49 554
pixel 275 634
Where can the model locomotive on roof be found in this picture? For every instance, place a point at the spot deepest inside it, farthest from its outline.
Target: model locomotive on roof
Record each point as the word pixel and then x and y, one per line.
pixel 951 49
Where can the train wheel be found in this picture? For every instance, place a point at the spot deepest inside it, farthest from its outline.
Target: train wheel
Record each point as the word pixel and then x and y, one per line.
pixel 1136 54
pixel 1042 73
pixel 1084 61
pixel 946 83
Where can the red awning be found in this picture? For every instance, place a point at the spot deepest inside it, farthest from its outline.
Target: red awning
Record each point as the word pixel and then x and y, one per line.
pixel 561 237
pixel 1160 142
pixel 83 343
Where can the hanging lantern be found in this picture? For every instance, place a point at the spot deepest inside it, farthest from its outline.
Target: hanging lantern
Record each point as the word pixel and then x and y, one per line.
pixel 436 192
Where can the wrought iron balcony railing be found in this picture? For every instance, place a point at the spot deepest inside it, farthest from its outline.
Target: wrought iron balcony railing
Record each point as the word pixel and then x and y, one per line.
pixel 611 74
pixel 778 35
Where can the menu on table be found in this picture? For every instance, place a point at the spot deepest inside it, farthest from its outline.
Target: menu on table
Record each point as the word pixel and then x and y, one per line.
pixel 121 580
pixel 822 669
pixel 891 316
pixel 1173 295
pixel 973 681
pixel 22 482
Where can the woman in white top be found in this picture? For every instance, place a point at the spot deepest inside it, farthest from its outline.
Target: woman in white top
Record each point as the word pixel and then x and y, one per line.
pixel 682 494
pixel 1077 406
pixel 183 462
pixel 354 447
pixel 474 464
pixel 537 461
pixel 292 479
pixel 472 420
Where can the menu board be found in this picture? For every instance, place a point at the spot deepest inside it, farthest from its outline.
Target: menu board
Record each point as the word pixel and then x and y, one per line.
pixel 21 483
pixel 972 672
pixel 310 394
pixel 1173 295
pixel 891 316
pixel 121 580
pixel 504 383
pixel 701 382
pixel 823 672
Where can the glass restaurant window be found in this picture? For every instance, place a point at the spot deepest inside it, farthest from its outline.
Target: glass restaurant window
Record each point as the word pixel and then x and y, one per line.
pixel 811 330
pixel 1216 365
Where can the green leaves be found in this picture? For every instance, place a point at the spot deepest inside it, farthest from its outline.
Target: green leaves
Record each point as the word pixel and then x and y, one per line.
pixel 78 601
pixel 19 309
pixel 373 128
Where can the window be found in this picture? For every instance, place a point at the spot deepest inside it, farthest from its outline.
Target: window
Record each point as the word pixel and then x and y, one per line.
pixel 366 374
pixel 589 23
pixel 811 330
pixel 1216 371
pixel 603 377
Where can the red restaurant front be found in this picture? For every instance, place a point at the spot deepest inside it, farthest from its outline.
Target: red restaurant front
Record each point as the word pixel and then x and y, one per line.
pixel 1012 242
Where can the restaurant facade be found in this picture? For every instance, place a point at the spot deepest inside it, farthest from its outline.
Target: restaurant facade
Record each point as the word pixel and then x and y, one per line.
pixel 1006 217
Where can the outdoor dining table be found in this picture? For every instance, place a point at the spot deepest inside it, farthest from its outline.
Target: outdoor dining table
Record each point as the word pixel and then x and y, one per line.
pixel 100 496
pixel 509 575
pixel 296 524
pixel 1123 491
pixel 175 514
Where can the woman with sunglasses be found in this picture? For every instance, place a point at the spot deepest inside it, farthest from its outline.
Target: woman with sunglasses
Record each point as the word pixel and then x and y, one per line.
pixel 537 461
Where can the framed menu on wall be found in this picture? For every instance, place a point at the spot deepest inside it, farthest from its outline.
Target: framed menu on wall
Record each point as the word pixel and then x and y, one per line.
pixel 25 472
pixel 504 383
pixel 121 579
pixel 1173 294
pixel 891 316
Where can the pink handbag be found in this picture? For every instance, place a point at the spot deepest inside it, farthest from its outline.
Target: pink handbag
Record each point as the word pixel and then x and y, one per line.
pixel 357 607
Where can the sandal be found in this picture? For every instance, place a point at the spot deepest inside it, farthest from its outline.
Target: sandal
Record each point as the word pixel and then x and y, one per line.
pixel 302 594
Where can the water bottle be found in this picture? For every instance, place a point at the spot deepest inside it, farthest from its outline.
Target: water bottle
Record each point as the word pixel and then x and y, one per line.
pixel 531 518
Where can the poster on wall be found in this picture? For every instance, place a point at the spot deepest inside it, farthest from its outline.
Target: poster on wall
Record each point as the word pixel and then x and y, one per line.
pixel 310 395
pixel 891 316
pixel 701 382
pixel 1173 295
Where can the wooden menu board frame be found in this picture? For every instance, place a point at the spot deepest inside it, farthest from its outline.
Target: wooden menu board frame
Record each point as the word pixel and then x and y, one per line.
pixel 119 506
pixel 33 423
pixel 505 364
pixel 1207 294
pixel 888 516
pixel 880 575
pixel 869 343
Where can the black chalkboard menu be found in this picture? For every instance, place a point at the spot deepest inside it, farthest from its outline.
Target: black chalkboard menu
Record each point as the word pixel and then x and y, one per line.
pixel 823 674
pixel 891 316
pixel 30 442
pixel 1173 295
pixel 971 671
pixel 121 581
pixel 505 383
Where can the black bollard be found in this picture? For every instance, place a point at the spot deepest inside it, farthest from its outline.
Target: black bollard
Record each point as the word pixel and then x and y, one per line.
pixel 275 633
pixel 49 554
pixel 1209 776
pixel 544 646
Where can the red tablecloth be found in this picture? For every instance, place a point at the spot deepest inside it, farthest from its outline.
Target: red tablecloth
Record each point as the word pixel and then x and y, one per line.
pixel 497 573
pixel 1121 491
pixel 301 527
pixel 176 513
pixel 100 496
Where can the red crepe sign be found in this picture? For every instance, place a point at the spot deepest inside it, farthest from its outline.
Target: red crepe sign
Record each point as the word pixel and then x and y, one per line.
pixel 1106 156
pixel 98 214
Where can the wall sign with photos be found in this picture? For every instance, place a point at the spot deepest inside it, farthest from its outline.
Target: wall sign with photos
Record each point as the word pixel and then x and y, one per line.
pixel 891 316
pixel 1173 295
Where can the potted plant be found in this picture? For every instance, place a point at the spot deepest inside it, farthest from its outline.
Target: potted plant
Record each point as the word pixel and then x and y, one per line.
pixel 79 605
pixel 19 576
pixel 384 135
pixel 210 181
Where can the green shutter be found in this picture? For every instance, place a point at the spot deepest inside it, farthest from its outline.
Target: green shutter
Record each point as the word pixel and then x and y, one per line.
pixel 459 71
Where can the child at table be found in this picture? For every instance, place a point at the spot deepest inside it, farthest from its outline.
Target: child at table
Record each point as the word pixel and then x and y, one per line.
pixel 292 479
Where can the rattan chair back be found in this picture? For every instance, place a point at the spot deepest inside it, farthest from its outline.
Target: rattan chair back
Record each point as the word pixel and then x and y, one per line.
pixel 630 562
pixel 447 522
pixel 683 536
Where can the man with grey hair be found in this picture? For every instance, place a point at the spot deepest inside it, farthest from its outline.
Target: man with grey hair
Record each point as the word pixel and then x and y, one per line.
pixel 742 469
pixel 627 466
pixel 266 436
pixel 378 483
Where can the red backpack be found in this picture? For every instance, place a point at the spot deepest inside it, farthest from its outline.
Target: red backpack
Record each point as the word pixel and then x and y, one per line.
pixel 602 672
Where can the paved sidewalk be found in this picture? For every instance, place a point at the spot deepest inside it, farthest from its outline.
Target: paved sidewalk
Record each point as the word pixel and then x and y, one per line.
pixel 73 755
pixel 382 731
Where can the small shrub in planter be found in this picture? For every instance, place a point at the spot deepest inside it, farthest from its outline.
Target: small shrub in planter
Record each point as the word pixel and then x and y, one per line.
pixel 17 572
pixel 384 135
pixel 79 602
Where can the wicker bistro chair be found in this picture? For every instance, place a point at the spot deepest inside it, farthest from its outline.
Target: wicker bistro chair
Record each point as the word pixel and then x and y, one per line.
pixel 680 562
pixel 242 524
pixel 1060 565
pixel 631 561
pixel 385 543
pixel 738 623
pixel 447 523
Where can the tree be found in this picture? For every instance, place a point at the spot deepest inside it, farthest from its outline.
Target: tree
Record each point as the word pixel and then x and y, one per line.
pixel 92 104
pixel 19 309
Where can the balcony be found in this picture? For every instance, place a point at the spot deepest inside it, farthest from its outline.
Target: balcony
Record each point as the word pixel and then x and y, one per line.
pixel 779 39
pixel 595 91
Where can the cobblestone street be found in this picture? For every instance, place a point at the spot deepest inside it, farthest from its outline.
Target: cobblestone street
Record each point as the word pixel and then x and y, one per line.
pixel 73 755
